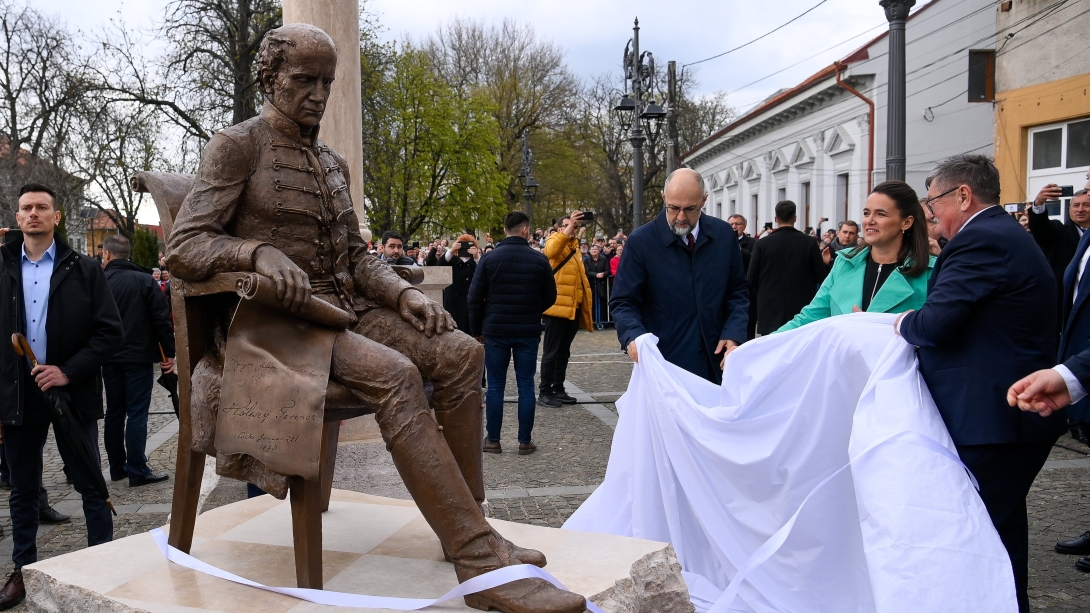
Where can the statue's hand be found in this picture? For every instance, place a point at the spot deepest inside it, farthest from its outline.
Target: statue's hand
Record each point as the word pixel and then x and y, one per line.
pixel 424 314
pixel 292 284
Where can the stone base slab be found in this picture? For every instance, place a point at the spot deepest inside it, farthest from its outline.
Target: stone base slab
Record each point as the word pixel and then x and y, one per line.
pixel 372 545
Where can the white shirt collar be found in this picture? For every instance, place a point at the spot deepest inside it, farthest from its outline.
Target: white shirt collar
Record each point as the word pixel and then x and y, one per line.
pixel 974 216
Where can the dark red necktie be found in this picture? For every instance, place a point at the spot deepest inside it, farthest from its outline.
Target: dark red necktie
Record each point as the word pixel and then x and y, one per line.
pixel 692 241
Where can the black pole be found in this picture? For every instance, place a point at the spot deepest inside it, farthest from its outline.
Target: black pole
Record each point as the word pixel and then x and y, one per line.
pixel 671 118
pixel 527 176
pixel 896 14
pixel 637 139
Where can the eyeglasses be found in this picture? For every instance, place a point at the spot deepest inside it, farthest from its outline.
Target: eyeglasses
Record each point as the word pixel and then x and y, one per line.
pixel 689 210
pixel 928 202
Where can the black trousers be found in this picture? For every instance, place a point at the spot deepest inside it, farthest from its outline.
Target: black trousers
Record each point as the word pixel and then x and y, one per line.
pixel 555 352
pixel 1005 473
pixel 23 447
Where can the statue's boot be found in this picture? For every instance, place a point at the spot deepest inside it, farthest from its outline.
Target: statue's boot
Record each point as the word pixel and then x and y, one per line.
pixel 463 430
pixel 432 477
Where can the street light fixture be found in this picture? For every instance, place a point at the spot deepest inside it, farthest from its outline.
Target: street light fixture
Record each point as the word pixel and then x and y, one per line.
pixel 529 184
pixel 641 117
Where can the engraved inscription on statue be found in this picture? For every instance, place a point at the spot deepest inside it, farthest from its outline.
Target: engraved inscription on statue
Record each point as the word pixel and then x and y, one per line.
pixel 273 411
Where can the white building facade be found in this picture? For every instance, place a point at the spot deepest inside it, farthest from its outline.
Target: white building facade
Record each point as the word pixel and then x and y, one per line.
pixel 814 144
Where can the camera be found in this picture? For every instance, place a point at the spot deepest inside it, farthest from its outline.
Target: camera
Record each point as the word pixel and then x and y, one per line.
pixel 1067 191
pixel 588 216
pixel 768 225
pixel 463 250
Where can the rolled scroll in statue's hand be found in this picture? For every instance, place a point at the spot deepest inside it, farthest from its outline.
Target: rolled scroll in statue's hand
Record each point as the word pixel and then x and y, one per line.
pixel 262 290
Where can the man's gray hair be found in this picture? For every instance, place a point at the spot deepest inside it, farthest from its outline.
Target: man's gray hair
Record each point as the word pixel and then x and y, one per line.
pixel 699 179
pixel 976 171
pixel 117 246
pixel 1081 192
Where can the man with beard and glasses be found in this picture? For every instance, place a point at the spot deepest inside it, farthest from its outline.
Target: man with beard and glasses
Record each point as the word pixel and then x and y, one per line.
pixel 682 280
pixel 784 272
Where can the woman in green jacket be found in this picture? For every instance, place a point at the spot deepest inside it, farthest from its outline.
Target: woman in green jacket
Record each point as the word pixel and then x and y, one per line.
pixel 890 274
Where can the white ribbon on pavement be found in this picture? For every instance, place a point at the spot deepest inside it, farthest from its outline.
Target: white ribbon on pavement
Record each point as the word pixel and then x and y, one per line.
pixel 487 581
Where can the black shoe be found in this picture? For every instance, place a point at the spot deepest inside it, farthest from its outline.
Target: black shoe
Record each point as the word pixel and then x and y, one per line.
pixel 120 477
pixel 548 401
pixel 1078 432
pixel 5 485
pixel 564 398
pixel 1078 546
pixel 49 515
pixel 151 478
pixel 1083 564
pixel 14 592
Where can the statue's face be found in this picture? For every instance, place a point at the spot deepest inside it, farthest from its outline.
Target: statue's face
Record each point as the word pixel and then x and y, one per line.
pixel 300 88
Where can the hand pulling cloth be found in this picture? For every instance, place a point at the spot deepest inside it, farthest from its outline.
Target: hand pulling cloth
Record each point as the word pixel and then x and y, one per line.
pixel 819 477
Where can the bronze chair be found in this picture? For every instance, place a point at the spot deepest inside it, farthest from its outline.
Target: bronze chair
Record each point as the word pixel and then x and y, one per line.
pixel 192 304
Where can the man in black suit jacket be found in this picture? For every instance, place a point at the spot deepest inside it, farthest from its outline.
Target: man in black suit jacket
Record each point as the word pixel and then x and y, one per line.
pixel 746 244
pixel 1058 240
pixel 784 272
pixel 988 319
pixel 1065 384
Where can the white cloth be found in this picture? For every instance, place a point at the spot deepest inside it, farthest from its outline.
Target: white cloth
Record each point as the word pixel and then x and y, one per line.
pixel 717 471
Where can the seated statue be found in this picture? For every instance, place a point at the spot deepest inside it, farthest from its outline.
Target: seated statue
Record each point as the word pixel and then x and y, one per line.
pixel 270 198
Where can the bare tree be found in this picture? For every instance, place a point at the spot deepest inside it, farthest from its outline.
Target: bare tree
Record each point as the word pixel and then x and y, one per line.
pixel 114 142
pixel 42 84
pixel 206 80
pixel 526 79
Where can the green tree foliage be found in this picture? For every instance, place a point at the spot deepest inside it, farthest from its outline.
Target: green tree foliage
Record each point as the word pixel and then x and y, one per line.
pixel 429 160
pixel 145 248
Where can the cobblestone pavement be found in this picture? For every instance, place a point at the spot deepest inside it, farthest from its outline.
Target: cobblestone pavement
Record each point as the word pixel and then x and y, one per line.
pixel 546 487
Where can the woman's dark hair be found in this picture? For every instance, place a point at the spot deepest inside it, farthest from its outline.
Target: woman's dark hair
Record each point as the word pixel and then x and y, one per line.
pixel 915 247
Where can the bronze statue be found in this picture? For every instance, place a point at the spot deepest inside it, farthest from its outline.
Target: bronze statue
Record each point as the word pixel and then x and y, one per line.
pixel 270 198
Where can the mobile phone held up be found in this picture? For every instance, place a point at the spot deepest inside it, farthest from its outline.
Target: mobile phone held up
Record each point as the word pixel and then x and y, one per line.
pixel 13 236
pixel 588 216
pixel 768 225
pixel 463 251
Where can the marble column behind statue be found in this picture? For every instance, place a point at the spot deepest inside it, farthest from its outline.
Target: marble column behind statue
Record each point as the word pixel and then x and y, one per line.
pixel 342 124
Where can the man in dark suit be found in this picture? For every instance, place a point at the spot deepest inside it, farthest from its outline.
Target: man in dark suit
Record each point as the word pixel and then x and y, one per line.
pixel 681 279
pixel 784 272
pixel 746 244
pixel 989 319
pixel 1058 240
pixel 1065 385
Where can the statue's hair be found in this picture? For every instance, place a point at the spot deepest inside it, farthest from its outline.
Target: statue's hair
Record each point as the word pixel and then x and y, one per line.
pixel 273 50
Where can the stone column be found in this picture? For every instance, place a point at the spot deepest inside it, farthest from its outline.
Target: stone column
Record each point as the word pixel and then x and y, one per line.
pixel 342 126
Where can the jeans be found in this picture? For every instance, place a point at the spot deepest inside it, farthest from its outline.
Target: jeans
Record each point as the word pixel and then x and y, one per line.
pixel 498 351
pixel 559 334
pixel 128 396
pixel 23 447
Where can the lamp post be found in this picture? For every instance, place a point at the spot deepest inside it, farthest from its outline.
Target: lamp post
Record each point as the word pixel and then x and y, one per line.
pixel 641 116
pixel 896 14
pixel 529 184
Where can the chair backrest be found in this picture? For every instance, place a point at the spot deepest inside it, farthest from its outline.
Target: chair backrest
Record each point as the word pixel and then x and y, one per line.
pixel 167 189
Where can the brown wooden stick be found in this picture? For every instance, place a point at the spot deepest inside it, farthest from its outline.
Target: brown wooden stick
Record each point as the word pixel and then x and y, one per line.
pixel 22 348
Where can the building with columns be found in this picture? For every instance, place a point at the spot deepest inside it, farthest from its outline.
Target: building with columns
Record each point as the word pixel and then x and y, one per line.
pixel 822 142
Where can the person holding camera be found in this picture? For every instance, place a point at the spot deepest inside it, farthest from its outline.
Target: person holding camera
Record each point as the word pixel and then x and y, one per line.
pixel 1058 240
pixel 462 259
pixel 571 311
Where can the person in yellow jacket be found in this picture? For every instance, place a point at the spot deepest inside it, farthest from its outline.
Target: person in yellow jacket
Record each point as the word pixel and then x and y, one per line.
pixel 571 311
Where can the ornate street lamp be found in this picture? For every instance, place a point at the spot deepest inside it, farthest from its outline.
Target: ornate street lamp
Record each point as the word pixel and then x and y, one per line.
pixel 896 15
pixel 641 116
pixel 529 184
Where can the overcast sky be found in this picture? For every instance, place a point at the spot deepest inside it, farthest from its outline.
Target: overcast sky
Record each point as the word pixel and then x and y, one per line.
pixel 594 32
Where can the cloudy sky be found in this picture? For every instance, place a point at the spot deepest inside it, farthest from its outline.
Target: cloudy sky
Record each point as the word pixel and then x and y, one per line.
pixel 594 32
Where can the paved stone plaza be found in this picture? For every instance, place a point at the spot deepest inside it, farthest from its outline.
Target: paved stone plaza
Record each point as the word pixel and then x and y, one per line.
pixel 546 487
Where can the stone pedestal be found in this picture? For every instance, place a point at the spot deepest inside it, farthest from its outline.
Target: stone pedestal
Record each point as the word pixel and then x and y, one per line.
pixel 372 545
pixel 436 279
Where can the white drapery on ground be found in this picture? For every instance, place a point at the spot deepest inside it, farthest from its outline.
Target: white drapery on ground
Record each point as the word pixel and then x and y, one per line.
pixel 719 472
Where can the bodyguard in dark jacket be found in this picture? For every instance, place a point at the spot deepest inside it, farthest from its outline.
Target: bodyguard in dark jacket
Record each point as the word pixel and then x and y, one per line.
pixel 784 272
pixel 688 291
pixel 129 375
pixel 60 301
pixel 512 287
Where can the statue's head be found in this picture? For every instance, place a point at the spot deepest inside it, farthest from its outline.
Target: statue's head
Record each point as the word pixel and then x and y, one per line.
pixel 295 68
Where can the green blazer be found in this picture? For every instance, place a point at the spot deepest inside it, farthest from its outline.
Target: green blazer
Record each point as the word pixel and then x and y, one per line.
pixel 843 289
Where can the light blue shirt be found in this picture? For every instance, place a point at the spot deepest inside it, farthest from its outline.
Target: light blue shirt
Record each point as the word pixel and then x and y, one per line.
pixel 36 276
